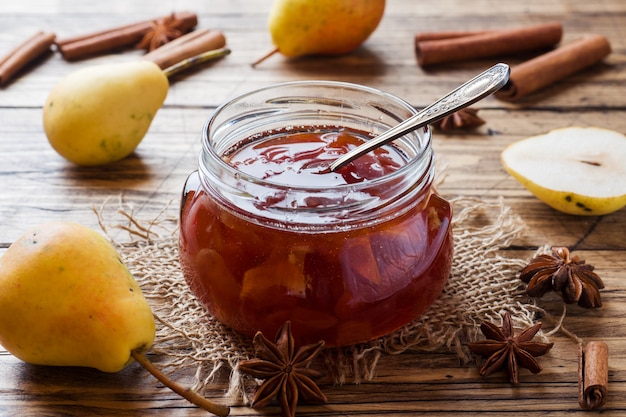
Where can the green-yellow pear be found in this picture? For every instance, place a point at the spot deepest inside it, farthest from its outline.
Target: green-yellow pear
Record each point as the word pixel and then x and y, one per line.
pixel 322 27
pixel 99 114
pixel 67 299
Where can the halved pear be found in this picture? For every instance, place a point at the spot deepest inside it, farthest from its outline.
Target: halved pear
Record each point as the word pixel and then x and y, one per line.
pixel 576 170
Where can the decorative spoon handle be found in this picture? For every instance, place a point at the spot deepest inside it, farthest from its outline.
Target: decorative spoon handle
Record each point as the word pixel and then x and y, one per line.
pixel 469 93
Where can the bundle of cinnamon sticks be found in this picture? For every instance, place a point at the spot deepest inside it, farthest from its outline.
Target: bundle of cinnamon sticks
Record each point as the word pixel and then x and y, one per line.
pixel 553 64
pixel 83 46
pixel 175 31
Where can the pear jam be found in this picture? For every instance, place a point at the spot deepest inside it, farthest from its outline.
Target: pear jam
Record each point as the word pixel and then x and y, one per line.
pixel 269 234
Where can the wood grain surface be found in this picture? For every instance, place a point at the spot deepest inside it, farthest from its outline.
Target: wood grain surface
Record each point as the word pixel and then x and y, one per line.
pixel 38 185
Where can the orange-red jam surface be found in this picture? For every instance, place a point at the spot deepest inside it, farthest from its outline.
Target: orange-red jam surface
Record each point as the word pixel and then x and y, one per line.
pixel 339 285
pixel 300 159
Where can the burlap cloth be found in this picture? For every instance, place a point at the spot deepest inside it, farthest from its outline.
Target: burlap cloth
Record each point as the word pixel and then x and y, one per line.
pixel 482 285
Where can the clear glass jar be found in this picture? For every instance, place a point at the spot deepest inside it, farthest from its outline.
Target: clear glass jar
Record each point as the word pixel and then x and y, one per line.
pixel 345 261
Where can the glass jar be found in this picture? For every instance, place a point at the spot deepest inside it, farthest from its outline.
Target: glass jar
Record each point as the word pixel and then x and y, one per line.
pixel 346 257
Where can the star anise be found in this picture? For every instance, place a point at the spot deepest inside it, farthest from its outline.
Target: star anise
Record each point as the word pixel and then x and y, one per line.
pixel 567 275
pixel 504 350
pixel 466 118
pixel 285 372
pixel 161 32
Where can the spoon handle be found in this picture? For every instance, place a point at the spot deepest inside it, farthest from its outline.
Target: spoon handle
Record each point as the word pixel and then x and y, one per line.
pixel 469 93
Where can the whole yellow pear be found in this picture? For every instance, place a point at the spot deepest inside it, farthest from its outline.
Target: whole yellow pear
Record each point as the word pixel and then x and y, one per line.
pixel 67 299
pixel 328 27
pixel 99 114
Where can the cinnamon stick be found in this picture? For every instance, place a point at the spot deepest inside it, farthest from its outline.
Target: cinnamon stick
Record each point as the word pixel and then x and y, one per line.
pixel 186 46
pixel 437 36
pixel 115 38
pixel 23 54
pixel 555 65
pixel 593 374
pixel 487 44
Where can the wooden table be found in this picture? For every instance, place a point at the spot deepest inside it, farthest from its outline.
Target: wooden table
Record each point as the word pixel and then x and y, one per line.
pixel 38 185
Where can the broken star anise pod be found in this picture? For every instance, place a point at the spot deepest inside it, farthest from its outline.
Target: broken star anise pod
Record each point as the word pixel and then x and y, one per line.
pixel 466 118
pixel 161 32
pixel 285 371
pixel 570 276
pixel 504 350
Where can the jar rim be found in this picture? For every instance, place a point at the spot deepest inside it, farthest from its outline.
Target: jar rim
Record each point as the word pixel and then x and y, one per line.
pixel 424 139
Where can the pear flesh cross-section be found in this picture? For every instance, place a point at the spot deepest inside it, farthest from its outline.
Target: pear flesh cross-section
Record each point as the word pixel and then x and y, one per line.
pixel 575 170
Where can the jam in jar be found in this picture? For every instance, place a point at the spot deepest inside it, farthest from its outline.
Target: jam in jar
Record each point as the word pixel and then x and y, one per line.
pixel 269 234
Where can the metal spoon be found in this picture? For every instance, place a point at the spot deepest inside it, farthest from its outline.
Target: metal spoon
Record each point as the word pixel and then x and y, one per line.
pixel 469 93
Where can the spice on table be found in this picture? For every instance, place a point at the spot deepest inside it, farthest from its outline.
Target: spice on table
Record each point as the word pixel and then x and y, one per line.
pixel 553 66
pixel 504 350
pixel 119 37
pixel 431 49
pixel 285 371
pixel 466 118
pixel 593 374
pixel 437 36
pixel 162 31
pixel 191 44
pixel 25 53
pixel 569 276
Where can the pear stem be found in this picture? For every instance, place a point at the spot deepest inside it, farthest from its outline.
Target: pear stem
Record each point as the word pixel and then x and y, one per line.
pixel 187 393
pixel 264 57
pixel 195 60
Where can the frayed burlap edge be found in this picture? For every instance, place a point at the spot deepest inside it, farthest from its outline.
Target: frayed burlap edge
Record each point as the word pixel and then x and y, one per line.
pixel 482 285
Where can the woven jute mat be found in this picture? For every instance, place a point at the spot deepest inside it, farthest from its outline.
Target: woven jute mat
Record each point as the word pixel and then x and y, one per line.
pixel 482 285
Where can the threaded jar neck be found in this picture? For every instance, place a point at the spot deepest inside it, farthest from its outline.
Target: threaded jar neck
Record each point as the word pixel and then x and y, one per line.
pixel 324 106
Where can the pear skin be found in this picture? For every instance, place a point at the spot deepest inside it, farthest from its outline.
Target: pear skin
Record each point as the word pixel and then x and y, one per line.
pixel 322 27
pixel 99 114
pixel 569 202
pixel 67 299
